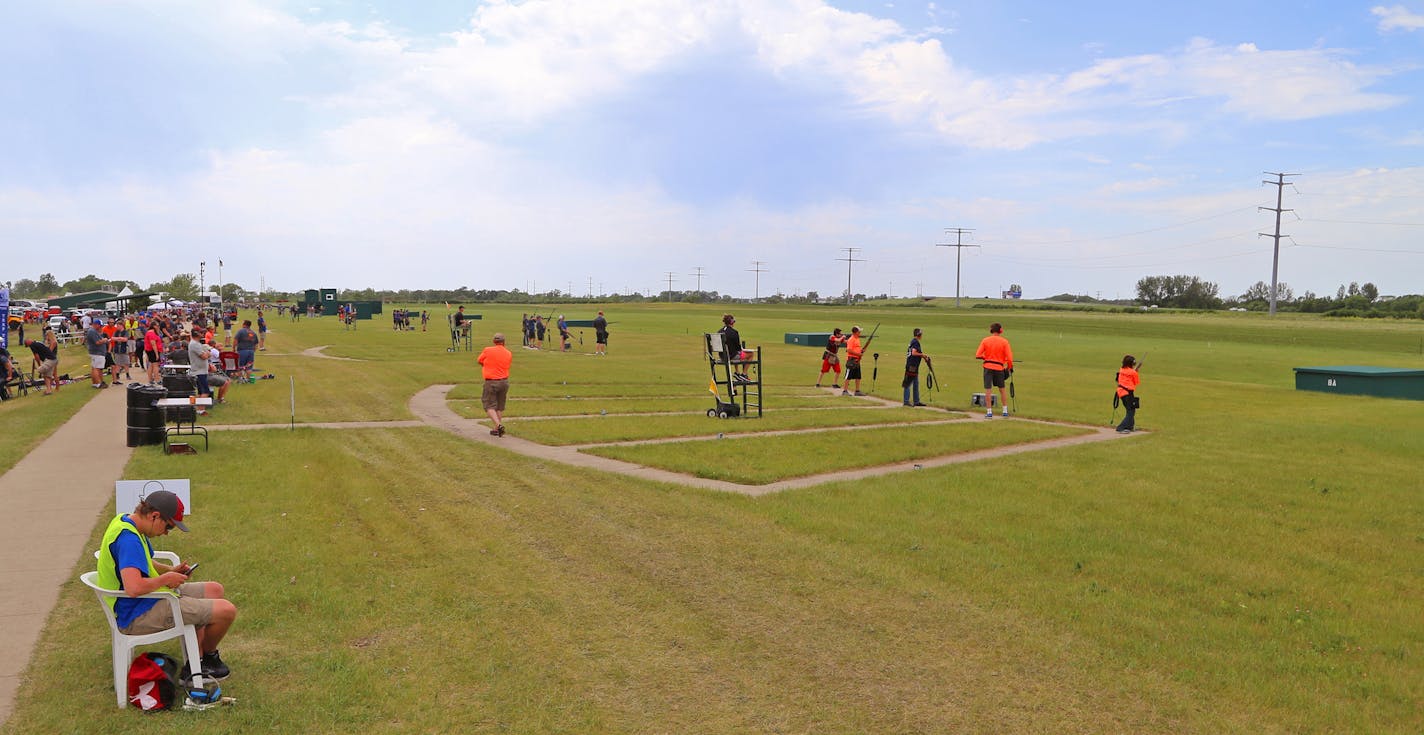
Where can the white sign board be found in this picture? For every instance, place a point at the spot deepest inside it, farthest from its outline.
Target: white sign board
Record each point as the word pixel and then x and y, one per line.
pixel 127 493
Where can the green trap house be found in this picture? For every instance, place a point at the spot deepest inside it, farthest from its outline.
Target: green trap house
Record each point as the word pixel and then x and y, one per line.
pixel 1362 380
pixel 808 339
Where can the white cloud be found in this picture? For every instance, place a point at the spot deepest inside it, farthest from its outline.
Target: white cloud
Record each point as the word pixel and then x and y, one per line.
pixel 1397 18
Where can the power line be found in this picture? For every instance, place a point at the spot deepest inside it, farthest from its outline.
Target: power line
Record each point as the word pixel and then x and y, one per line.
pixel 1123 234
pixel 959 247
pixel 1365 222
pixel 849 260
pixel 1280 184
pixel 1361 250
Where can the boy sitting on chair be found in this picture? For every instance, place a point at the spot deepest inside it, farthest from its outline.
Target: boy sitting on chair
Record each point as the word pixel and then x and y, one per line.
pixel 126 563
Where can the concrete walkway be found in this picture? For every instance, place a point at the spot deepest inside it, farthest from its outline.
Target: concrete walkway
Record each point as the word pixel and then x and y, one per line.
pixel 54 494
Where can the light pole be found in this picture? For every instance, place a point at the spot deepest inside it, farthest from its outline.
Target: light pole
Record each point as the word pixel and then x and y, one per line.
pixel 220 287
pixel 202 270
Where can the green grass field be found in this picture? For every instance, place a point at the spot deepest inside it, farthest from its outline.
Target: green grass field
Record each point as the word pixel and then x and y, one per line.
pixel 1251 564
pixel 758 460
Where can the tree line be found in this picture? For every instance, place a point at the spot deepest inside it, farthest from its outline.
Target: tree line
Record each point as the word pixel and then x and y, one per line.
pixel 1354 299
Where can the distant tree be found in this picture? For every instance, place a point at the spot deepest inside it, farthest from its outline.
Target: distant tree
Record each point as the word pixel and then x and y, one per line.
pixel 813 296
pixel 1370 292
pixel 1261 291
pixel 1186 292
pixel 90 282
pixel 47 285
pixel 182 286
pixel 25 289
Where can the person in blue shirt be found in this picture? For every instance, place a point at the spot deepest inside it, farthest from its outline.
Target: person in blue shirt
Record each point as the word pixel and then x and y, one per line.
pixel 126 563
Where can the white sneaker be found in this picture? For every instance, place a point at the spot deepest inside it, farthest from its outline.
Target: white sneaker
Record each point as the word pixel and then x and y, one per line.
pixel 989 415
pixel 1006 413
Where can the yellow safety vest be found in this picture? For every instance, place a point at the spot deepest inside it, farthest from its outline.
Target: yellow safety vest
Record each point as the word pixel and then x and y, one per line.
pixel 108 567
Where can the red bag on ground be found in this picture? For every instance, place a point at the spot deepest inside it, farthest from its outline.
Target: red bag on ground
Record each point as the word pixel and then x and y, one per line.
pixel 151 681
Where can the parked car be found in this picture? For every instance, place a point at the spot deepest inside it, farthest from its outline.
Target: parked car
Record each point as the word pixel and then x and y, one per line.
pixel 58 323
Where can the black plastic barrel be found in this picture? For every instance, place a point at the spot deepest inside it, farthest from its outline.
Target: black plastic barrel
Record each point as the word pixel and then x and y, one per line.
pixel 180 386
pixel 145 421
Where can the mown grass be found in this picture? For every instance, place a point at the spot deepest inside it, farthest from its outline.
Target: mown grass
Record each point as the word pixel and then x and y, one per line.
pixel 612 428
pixel 1252 565
pixel 757 460
pixel 454 605
pixel 29 420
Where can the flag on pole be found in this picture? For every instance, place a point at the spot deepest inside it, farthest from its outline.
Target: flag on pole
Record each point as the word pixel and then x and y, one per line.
pixel 712 386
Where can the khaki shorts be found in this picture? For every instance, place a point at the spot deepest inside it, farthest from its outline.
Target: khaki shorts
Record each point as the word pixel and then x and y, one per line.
pixel 47 368
pixel 196 611
pixel 494 393
pixel 97 361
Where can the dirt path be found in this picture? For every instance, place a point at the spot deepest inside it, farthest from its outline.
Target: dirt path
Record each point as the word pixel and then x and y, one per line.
pixel 430 407
pixel 317 352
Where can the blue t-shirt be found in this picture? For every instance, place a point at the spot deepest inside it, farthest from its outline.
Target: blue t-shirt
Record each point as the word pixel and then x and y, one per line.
pixel 130 550
pixel 912 361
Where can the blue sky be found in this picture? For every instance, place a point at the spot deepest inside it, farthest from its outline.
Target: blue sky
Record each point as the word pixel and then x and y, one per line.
pixel 572 145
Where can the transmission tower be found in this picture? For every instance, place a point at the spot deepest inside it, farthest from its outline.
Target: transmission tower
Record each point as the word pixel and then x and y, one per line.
pixel 850 259
pixel 1280 184
pixel 698 274
pixel 756 286
pixel 959 245
pixel 669 277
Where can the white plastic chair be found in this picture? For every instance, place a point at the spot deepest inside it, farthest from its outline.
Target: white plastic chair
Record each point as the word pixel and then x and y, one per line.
pixel 124 644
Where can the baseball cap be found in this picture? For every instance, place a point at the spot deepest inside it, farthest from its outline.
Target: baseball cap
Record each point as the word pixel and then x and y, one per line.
pixel 169 506
pixel 498 337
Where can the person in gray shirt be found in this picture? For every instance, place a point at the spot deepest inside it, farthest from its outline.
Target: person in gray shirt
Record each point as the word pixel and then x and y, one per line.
pixel 97 345
pixel 198 364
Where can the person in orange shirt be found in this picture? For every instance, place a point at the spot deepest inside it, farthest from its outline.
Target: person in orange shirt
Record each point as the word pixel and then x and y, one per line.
pixel 494 367
pixel 854 351
pixel 1127 382
pixel 998 360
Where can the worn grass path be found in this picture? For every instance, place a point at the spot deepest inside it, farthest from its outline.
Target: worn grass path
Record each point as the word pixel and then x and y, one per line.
pixel 429 406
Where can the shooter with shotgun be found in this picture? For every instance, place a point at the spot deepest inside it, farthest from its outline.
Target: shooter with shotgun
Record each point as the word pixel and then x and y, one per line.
pixel 911 381
pixel 1127 382
pixel 855 351
pixel 998 360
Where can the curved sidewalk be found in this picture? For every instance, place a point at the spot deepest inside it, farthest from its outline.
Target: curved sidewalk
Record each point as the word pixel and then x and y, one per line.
pixel 429 405
pixel 54 494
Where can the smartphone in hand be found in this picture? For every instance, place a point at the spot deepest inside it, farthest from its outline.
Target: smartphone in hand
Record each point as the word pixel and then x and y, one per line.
pixel 191 568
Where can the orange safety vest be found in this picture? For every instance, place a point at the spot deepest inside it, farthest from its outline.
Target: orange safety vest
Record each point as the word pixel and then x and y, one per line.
pixel 1127 381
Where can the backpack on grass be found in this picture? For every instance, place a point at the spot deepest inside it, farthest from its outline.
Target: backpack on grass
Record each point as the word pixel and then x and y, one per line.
pixel 152 678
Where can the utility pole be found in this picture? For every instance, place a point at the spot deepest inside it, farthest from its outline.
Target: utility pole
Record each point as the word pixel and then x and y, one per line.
pixel 699 281
pixel 756 284
pixel 669 277
pixel 1280 184
pixel 849 260
pixel 959 247
pixel 590 287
